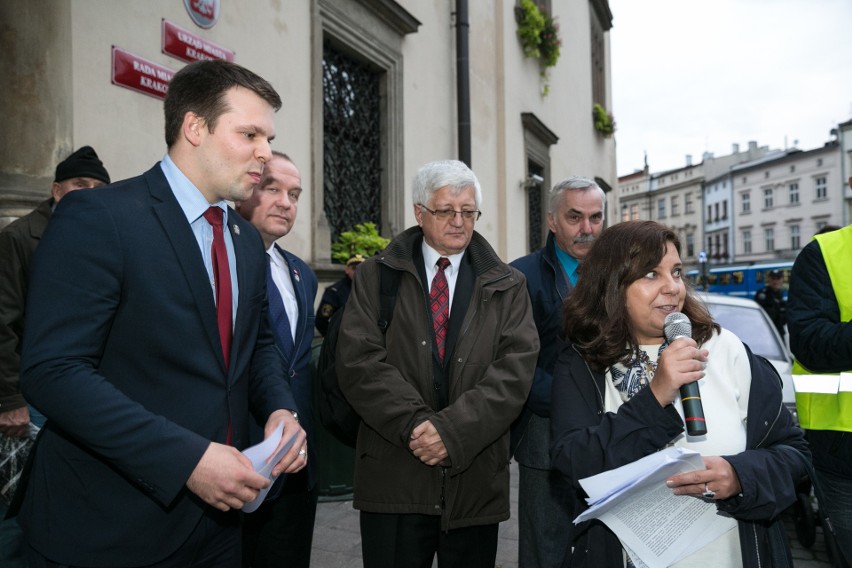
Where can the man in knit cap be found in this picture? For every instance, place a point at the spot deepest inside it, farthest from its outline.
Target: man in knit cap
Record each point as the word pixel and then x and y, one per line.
pixel 18 240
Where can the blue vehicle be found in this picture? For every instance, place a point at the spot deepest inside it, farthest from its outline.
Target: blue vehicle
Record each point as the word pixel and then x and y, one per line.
pixel 740 280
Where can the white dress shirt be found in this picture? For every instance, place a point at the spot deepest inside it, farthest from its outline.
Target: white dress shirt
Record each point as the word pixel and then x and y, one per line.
pixel 281 277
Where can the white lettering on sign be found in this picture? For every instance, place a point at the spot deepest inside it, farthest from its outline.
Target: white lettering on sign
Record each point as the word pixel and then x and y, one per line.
pixel 150 83
pixel 142 68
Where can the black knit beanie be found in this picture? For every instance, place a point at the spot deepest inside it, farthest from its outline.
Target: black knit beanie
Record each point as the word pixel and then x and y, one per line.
pixel 82 163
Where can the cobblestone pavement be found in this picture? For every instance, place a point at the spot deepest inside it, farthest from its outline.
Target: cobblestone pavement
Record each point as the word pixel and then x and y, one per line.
pixel 337 542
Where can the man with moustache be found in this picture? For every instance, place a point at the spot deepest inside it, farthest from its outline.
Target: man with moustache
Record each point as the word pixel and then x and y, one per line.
pixel 280 532
pixel 437 392
pixel 575 217
pixel 148 344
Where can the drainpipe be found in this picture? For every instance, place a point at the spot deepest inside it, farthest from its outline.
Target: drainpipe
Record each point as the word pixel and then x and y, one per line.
pixel 463 80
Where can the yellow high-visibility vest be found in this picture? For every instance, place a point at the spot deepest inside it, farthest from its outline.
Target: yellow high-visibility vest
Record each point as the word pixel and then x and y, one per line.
pixel 817 406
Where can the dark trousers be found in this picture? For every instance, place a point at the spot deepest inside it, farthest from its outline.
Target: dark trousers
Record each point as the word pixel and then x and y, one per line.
pixel 280 533
pixel 411 541
pixel 545 521
pixel 837 502
pixel 215 543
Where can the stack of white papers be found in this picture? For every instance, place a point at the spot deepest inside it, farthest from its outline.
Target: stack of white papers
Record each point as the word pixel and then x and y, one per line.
pixel 656 527
pixel 263 461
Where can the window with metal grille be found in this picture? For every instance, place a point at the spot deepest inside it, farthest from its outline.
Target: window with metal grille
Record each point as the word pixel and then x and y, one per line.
pixel 535 208
pixel 352 188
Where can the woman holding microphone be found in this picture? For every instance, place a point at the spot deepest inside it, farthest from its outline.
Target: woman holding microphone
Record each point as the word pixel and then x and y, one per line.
pixel 617 398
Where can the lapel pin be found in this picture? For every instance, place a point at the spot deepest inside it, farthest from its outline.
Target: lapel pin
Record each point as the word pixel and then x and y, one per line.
pixel 236 229
pixel 296 275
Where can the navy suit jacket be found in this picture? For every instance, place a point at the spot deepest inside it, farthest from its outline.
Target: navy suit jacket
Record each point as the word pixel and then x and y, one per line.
pixel 297 364
pixel 122 354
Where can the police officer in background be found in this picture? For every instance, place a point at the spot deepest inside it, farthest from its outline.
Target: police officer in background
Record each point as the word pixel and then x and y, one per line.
pixel 334 297
pixel 772 301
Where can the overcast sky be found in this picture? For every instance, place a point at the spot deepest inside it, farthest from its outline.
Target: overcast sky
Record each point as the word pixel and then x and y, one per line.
pixel 690 77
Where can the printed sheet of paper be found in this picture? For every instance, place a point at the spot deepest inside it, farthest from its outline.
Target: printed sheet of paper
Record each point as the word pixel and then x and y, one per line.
pixel 657 527
pixel 259 455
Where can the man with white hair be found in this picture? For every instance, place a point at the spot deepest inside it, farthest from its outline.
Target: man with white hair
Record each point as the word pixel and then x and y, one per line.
pixel 437 392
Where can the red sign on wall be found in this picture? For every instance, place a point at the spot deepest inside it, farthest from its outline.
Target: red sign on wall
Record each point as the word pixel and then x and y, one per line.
pixel 189 47
pixel 139 74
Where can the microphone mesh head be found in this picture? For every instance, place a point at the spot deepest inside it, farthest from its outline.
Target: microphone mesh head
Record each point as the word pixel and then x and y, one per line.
pixel 677 325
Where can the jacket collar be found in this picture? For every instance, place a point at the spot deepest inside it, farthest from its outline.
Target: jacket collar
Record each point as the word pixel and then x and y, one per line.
pixel 482 256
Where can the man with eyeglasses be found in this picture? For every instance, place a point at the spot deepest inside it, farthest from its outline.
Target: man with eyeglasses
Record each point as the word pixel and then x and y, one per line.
pixel 575 216
pixel 439 389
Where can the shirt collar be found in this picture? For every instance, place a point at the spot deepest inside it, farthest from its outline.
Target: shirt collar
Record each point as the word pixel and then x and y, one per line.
pixel 431 256
pixel 277 257
pixel 192 202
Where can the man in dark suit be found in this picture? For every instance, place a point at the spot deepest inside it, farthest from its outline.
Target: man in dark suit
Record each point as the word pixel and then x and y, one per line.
pixel 280 532
pixel 147 343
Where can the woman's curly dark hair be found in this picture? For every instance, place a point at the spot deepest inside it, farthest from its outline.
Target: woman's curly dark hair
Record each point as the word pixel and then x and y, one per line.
pixel 595 313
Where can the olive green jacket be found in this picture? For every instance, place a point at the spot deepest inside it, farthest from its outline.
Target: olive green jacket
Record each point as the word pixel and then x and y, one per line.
pixel 389 380
pixel 18 242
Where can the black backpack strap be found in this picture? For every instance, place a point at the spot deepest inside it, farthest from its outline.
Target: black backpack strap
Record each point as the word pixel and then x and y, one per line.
pixel 389 279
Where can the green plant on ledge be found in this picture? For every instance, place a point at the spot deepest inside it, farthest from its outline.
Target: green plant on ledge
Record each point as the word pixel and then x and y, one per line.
pixel 604 122
pixel 539 36
pixel 364 239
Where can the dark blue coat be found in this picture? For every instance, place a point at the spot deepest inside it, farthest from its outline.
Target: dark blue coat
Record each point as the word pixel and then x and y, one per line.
pixel 333 298
pixel 582 434
pixel 548 287
pixel 297 365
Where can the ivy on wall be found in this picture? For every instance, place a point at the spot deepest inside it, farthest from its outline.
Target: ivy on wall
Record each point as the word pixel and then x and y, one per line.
pixel 604 122
pixel 538 33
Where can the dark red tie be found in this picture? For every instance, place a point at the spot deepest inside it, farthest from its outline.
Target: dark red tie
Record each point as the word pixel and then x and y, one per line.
pixel 222 279
pixel 439 300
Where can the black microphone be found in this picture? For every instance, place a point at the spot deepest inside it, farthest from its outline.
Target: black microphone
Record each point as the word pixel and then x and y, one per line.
pixel 678 325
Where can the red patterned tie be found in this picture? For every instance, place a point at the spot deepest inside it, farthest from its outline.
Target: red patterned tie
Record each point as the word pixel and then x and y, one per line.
pixel 439 300
pixel 222 279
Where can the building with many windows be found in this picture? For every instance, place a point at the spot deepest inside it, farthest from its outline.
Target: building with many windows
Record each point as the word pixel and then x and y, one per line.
pixel 783 199
pixel 749 206
pixel 694 200
pixel 718 201
pixel 633 196
pixel 676 202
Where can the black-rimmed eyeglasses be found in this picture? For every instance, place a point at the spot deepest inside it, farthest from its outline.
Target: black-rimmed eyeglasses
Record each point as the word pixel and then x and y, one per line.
pixel 447 214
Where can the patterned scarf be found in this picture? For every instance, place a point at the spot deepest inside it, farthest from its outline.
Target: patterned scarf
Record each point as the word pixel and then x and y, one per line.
pixel 636 374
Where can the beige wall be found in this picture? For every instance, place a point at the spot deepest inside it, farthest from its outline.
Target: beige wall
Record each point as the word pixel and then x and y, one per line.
pixel 62 98
pixel 37 112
